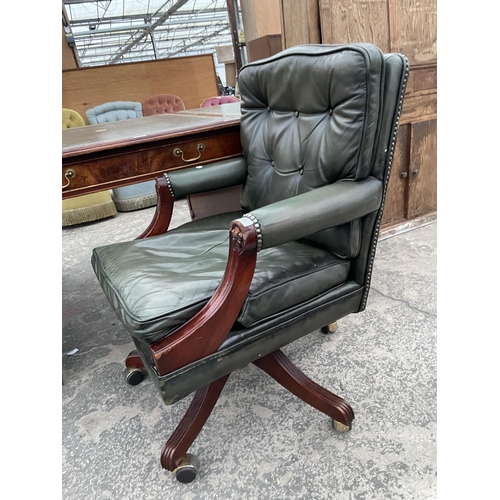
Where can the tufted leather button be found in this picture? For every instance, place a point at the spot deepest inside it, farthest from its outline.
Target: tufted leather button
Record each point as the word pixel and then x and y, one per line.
pixel 272 163
pixel 268 109
pixel 301 171
pixel 331 112
pixel 296 113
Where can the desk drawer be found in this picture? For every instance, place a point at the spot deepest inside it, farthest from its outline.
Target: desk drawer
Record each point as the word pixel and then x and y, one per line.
pixel 126 165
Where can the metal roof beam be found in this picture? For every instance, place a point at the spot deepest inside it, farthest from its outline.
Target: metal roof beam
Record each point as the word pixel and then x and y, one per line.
pixel 146 32
pixel 142 15
pixel 193 24
pixel 196 41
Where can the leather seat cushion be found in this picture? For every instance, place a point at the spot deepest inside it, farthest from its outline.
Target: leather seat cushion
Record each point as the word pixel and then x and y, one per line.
pixel 156 284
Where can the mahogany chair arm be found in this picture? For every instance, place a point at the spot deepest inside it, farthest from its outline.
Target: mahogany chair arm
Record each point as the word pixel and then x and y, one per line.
pixel 178 183
pixel 205 332
pixel 164 209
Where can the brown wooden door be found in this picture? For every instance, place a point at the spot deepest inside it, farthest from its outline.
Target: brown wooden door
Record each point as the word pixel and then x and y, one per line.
pixel 422 175
pixel 405 26
pixel 397 190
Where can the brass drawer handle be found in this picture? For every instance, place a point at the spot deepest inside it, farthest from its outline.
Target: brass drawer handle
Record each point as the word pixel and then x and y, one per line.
pixel 69 174
pixel 179 152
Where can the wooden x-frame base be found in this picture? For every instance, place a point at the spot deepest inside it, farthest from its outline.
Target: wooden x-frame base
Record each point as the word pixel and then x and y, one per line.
pixel 275 364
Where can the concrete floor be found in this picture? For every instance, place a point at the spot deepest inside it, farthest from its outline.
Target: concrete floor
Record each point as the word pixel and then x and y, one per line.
pixel 260 441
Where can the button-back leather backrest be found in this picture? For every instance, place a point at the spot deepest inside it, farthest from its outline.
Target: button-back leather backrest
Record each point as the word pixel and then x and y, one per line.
pixel 114 111
pixel 309 117
pixel 161 104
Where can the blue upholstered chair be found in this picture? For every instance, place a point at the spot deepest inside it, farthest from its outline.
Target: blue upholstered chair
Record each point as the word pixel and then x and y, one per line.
pixel 136 196
pixel 114 111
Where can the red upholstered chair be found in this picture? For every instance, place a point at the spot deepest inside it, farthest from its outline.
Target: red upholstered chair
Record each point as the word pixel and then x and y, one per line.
pixel 160 104
pixel 216 101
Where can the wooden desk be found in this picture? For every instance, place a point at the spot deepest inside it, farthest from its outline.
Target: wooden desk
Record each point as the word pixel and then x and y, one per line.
pixel 109 155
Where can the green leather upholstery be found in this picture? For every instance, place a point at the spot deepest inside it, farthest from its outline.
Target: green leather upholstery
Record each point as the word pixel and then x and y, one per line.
pixel 314 131
pixel 180 280
pixel 318 130
pixel 210 177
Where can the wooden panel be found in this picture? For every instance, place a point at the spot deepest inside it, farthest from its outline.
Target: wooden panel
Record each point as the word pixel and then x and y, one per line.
pixel 263 47
pixel 192 78
pixel 68 56
pixel 348 21
pixel 300 22
pixel 230 73
pixel 395 202
pixel 420 102
pixel 214 202
pixel 422 174
pixel 260 18
pixel 419 107
pixel 422 78
pixel 414 29
pixel 224 54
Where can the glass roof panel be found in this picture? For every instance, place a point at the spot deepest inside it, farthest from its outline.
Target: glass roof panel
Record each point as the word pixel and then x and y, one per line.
pixel 119 31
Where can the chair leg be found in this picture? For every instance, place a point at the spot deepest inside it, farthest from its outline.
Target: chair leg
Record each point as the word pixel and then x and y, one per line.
pixel 330 328
pixel 278 366
pixel 175 449
pixel 134 361
pixel 135 368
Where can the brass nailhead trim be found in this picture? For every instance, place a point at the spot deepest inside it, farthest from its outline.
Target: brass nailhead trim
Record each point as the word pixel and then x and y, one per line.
pixel 169 183
pixel 391 157
pixel 258 229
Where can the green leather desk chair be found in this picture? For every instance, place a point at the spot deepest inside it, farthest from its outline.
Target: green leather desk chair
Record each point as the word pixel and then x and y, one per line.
pixel 318 130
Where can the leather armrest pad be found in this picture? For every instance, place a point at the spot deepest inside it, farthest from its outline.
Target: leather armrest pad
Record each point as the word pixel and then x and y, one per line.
pixel 310 212
pixel 209 177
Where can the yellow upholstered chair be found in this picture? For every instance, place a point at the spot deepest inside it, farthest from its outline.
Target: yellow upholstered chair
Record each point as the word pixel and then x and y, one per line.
pixel 89 207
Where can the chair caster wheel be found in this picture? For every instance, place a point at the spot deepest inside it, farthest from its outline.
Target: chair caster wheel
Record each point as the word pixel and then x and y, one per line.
pixel 187 469
pixel 330 328
pixel 340 427
pixel 135 376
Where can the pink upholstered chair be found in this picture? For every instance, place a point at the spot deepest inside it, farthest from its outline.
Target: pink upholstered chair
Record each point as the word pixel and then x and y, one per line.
pixel 160 104
pixel 216 101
